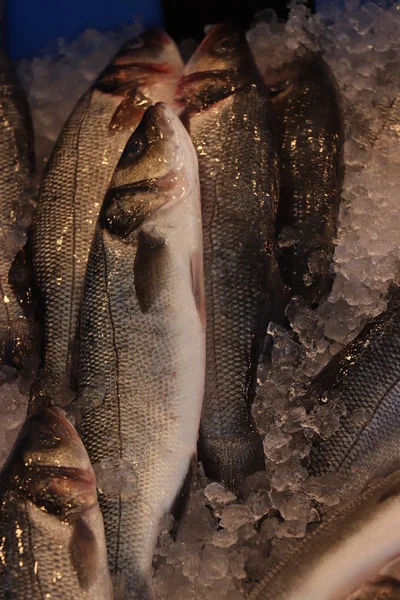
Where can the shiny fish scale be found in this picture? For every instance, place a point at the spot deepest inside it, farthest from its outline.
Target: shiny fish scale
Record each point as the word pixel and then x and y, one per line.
pixel 129 357
pixel 238 205
pixel 76 180
pixel 366 376
pixel 15 180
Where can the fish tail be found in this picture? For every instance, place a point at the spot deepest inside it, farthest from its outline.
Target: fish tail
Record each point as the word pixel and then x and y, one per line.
pixel 138 588
pixel 232 459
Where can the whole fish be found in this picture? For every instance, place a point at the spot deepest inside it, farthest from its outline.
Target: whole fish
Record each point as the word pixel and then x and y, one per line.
pixel 76 181
pixel 365 379
pixel 345 552
pixel 228 113
pixel 305 102
pixel 16 190
pixel 52 541
pixel 143 342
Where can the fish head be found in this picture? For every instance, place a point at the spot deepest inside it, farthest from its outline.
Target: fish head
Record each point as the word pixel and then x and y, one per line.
pixel 222 64
pixel 141 62
pixel 156 170
pixel 50 465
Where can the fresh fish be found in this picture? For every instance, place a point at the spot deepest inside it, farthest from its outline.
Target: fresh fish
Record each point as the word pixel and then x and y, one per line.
pixel 52 541
pixel 16 190
pixel 79 172
pixel 143 342
pixel 306 107
pixel 228 114
pixel 365 379
pixel 345 552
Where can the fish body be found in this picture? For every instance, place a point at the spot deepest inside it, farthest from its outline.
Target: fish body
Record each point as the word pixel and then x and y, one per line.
pixel 310 138
pixel 224 98
pixel 16 184
pixel 344 553
pixel 52 541
pixel 364 378
pixel 74 186
pixel 143 342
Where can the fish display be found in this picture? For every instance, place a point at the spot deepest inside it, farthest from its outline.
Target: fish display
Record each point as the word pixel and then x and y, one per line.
pixel 365 379
pixel 345 552
pixel 142 364
pixel 305 103
pixel 223 96
pixel 75 183
pixel 52 541
pixel 16 190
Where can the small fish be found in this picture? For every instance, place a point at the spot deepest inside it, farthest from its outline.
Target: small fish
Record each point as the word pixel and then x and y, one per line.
pixel 345 552
pixel 16 190
pixel 143 343
pixel 305 102
pixel 223 94
pixel 78 174
pixel 52 541
pixel 365 379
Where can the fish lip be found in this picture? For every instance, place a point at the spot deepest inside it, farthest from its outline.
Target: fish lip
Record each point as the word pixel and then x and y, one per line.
pixel 156 35
pixel 55 418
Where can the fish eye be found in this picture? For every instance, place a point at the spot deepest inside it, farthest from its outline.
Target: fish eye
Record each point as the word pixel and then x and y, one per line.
pixel 226 44
pixel 136 43
pixel 133 149
pixel 44 437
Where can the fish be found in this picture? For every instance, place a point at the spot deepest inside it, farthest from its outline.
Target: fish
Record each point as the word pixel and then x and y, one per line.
pixel 345 552
pixel 364 380
pixel 309 132
pixel 74 186
pixel 227 110
pixel 142 369
pixel 52 542
pixel 17 180
pixel 382 588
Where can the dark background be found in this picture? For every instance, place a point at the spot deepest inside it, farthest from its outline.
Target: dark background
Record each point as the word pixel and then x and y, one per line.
pixel 187 18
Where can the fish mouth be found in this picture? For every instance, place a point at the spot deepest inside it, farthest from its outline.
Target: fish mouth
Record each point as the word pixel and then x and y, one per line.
pixel 162 117
pixel 56 421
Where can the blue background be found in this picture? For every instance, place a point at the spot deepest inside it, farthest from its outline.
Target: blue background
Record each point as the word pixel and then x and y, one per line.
pixel 34 24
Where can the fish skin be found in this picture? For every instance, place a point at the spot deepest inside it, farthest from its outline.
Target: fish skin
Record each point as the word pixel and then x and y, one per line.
pixel 344 553
pixel 223 94
pixel 308 124
pixel 16 190
pixel 77 177
pixel 364 378
pixel 143 343
pixel 52 542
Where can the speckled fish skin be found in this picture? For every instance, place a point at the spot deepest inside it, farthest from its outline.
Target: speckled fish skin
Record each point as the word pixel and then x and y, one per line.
pixel 306 106
pixel 76 181
pixel 16 184
pixel 365 378
pixel 223 95
pixel 345 552
pixel 52 542
pixel 143 342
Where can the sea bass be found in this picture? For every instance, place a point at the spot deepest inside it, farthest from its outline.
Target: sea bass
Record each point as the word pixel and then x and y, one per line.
pixel 16 189
pixel 76 181
pixel 305 101
pixel 228 114
pixel 52 541
pixel 365 379
pixel 143 342
pixel 346 551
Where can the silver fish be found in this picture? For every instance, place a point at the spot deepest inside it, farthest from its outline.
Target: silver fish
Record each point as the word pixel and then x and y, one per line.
pixel 143 342
pixel 75 183
pixel 52 541
pixel 364 378
pixel 228 112
pixel 16 190
pixel 345 552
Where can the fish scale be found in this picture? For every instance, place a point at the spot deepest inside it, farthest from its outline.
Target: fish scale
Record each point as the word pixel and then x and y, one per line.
pixel 364 376
pixel 76 181
pixel 143 347
pixel 229 126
